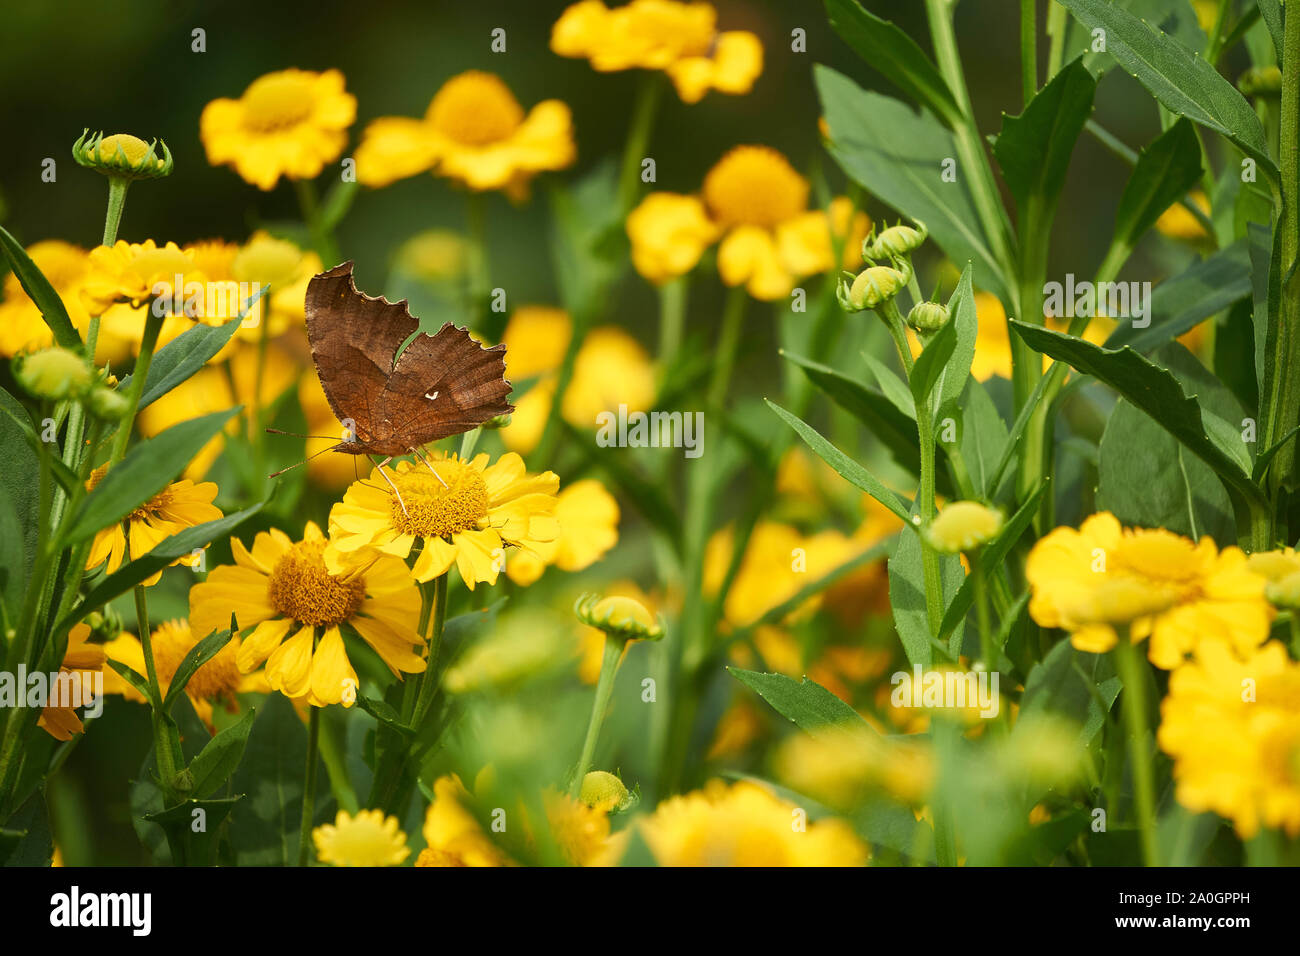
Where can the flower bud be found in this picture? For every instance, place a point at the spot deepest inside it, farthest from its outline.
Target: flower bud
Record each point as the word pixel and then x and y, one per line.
pixel 1261 81
pixel 621 618
pixel 54 373
pixel 122 156
pixel 963 526
pixel 104 625
pixel 928 317
pixel 895 242
pixel 107 404
pixel 604 791
pixel 873 286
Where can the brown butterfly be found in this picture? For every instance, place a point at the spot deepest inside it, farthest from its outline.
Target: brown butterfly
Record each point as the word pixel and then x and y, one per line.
pixel 394 404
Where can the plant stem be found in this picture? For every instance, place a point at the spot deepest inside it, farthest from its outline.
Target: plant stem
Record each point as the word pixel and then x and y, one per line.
pixel 320 236
pixel 429 682
pixel 164 751
pixel 1056 30
pixel 152 325
pixel 672 317
pixel 1287 355
pixel 987 651
pixel 638 137
pixel 1133 675
pixel 116 203
pixel 490 323
pixel 309 787
pixel 613 653
pixel 1028 49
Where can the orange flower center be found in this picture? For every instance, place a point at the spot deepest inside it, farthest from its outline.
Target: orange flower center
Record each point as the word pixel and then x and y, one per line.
pixel 754 186
pixel 475 109
pixel 302 589
pixel 277 102
pixel 433 511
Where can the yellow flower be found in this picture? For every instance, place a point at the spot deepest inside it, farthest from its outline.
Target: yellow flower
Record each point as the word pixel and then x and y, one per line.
pixel 591 640
pixel 324 468
pixel 368 839
pixel 217 681
pixel 603 791
pixel 1232 725
pixel 282 589
pixel 84 659
pixel 474 132
pixel 843 766
pixel 278 263
pixel 1282 570
pixel 289 123
pixel 1158 584
pixel 679 38
pixel 21 327
pixel 135 273
pixel 1177 222
pixel 470 522
pixel 669 232
pixel 620 618
pixel 588 518
pixel 537 337
pixel 582 831
pixel 743 824
pixel 180 505
pixel 453 834
pixel 433 255
pixel 963 526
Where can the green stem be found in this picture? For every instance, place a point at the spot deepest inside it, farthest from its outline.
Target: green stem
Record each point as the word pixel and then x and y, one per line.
pixel 638 137
pixel 152 325
pixel 1214 44
pixel 604 689
pixel 1028 49
pixel 429 682
pixel 987 650
pixel 492 324
pixel 1287 356
pixel 1133 675
pixel 116 203
pixel 336 768
pixel 672 317
pixel 309 787
pixel 1056 30
pixel 321 238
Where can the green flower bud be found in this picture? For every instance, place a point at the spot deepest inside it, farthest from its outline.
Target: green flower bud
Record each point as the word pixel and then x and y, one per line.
pixel 53 373
pixel 874 285
pixel 604 791
pixel 104 625
pixel 183 782
pixel 895 242
pixel 1261 81
pixel 121 156
pixel 621 618
pixel 928 317
pixel 107 404
pixel 500 421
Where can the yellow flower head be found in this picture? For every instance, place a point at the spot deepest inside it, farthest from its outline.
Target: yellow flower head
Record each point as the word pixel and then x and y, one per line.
pixel 744 824
pixel 294 606
pixel 1160 585
pixel 368 839
pixel 453 833
pixel 621 618
pixel 289 123
pixel 265 261
pixel 85 659
pixel 844 766
pixel 669 233
pixel 136 273
pixel 963 526
pixel 679 38
pixel 53 373
pixel 21 327
pixel 180 505
pixel 122 156
pixel 469 521
pixel 602 790
pixel 588 518
pixel 1232 725
pixel 474 132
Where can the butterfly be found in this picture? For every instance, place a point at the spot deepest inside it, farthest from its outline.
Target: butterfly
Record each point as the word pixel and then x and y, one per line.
pixel 394 401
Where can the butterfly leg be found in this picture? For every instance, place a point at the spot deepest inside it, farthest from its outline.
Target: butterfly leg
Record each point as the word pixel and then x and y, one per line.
pixel 383 474
pixel 416 453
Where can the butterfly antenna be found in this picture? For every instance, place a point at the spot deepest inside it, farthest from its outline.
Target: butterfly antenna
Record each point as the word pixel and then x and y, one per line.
pixel 416 453
pixel 298 464
pixel 383 474
pixel 280 431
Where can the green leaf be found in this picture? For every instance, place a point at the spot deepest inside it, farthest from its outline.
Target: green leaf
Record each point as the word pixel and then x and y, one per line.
pixel 843 465
pixel 907 597
pixel 991 557
pixel 805 703
pixel 588 243
pixel 27 840
pixel 1034 148
pixel 164 553
pixel 385 714
pixel 930 365
pixel 218 760
pixel 192 845
pixel 40 291
pixel 891 386
pixel 1146 478
pixel 13 556
pixel 899 156
pixel 1165 171
pixel 1270 12
pixel 146 470
pixel 965 320
pixel 1205 288
pixel 196 657
pixel 264 829
pixel 983 437
pixel 1174 17
pixel 1185 83
pixel 136 680
pixel 893 53
pixel 1071 684
pixel 20 475
pixel 1158 393
pixel 186 354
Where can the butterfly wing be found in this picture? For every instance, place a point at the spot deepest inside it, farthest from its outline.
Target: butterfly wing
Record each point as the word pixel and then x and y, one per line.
pixel 354 338
pixel 442 385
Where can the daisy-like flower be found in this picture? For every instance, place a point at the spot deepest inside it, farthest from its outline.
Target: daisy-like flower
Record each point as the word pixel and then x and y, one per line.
pixel 482 510
pixel 135 273
pixel 265 261
pixel 474 132
pixel 21 327
pixel 588 517
pixel 453 834
pixel 679 38
pixel 756 201
pixel 845 765
pixel 84 659
pixel 295 607
pixel 1232 725
pixel 744 824
pixel 1160 585
pixel 367 839
pixel 289 123
pixel 180 505
pixel 216 682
